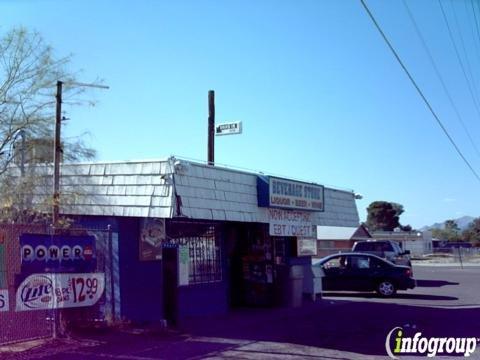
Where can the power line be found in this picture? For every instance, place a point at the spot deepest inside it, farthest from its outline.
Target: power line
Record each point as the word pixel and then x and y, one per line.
pixel 459 58
pixel 462 42
pixel 439 122
pixel 476 25
pixel 439 75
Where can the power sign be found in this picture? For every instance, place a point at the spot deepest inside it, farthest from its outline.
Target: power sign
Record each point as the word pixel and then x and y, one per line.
pixel 57 253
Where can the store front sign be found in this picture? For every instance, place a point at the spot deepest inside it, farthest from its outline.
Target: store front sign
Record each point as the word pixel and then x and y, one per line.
pixel 58 291
pixel 291 223
pixel 289 194
pixel 306 247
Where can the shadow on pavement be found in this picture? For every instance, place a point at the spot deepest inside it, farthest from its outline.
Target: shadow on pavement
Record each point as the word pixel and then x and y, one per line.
pixel 329 326
pixel 327 329
pixel 435 283
pixel 396 296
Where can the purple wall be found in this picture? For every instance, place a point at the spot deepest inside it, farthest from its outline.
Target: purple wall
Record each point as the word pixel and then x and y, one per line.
pixel 140 281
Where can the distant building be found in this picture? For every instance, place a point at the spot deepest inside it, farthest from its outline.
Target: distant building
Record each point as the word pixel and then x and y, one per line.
pixel 418 242
pixel 34 151
pixel 334 239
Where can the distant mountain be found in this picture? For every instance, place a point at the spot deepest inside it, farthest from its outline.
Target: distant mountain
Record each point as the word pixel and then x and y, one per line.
pixel 462 223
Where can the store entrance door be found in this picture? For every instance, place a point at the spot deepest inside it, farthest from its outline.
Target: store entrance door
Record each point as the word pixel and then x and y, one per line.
pixel 170 283
pixel 236 249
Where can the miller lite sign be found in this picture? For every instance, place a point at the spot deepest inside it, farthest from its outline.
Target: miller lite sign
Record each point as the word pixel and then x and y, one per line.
pixel 57 291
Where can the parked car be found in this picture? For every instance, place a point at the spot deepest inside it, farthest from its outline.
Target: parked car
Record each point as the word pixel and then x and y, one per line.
pixel 386 249
pixel 363 272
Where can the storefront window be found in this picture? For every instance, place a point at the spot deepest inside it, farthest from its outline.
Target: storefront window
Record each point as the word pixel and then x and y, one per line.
pixel 205 263
pixel 204 255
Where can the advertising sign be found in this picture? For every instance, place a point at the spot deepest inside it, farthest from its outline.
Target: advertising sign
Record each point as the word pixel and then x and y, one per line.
pixel 291 223
pixel 183 265
pixel 306 247
pixel 289 194
pixel 58 291
pixel 232 128
pixel 152 234
pixel 4 306
pixel 57 253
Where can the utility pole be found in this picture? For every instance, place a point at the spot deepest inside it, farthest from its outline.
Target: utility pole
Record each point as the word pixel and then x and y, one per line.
pixel 58 328
pixel 57 154
pixel 211 127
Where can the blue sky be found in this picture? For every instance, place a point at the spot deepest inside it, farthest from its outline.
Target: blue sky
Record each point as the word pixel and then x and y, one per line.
pixel 320 96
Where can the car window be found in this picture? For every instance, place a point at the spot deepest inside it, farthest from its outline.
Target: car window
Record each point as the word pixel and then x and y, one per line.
pixel 316 262
pixel 364 246
pixel 359 262
pixel 336 263
pixel 383 246
pixel 377 263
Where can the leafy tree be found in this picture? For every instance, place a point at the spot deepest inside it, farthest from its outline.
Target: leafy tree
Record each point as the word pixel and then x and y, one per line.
pixel 472 232
pixel 29 71
pixel 384 215
pixel 451 225
pixel 449 232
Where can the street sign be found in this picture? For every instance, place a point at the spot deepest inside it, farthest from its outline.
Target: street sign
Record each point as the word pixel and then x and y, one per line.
pixel 229 128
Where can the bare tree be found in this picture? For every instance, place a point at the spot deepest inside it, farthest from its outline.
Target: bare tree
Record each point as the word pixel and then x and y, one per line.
pixel 29 71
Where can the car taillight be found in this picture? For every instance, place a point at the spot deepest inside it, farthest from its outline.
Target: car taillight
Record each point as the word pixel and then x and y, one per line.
pixel 408 272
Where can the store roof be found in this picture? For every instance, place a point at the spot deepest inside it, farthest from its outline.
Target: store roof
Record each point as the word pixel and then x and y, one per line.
pixel 146 189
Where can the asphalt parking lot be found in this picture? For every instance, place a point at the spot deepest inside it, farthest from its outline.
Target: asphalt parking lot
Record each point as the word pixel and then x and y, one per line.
pixel 437 286
pixel 446 303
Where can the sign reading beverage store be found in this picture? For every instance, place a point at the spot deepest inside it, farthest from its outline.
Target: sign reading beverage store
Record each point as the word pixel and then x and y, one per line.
pixel 289 194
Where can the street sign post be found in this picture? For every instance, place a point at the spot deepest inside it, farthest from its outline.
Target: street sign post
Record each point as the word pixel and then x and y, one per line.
pixel 232 128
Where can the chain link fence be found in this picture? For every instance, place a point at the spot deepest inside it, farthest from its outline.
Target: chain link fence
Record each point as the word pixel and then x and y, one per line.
pixel 16 324
pixel 456 255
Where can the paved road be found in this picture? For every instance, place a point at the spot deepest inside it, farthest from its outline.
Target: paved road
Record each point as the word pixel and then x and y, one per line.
pixel 437 286
pixel 339 326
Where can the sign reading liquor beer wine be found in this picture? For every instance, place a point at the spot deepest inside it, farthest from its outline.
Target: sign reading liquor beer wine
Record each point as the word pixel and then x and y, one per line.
pixel 289 194
pixel 58 291
pixel 57 253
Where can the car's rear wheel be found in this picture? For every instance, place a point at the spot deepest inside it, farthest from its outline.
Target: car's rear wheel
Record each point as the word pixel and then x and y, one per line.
pixel 386 288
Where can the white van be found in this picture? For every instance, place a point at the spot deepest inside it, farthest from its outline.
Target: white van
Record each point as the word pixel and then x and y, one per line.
pixel 387 249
